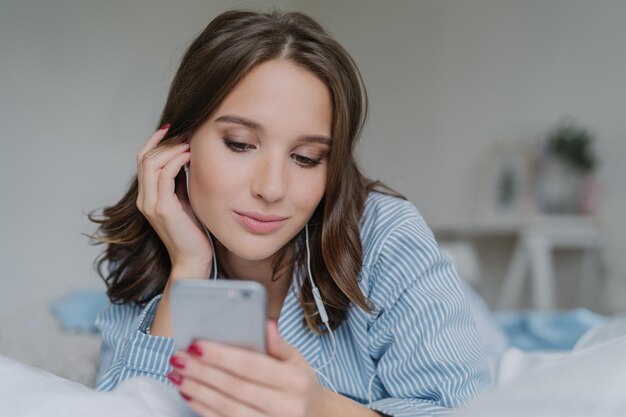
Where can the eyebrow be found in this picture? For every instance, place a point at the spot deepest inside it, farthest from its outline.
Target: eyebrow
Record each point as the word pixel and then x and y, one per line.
pixel 228 118
pixel 240 121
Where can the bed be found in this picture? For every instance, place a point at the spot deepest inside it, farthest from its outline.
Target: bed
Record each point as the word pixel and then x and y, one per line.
pixel 48 369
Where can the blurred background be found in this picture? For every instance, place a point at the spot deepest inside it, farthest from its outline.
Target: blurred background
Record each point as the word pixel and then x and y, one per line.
pixel 502 120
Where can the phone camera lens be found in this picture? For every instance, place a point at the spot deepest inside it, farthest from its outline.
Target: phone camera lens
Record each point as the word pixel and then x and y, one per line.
pixel 245 294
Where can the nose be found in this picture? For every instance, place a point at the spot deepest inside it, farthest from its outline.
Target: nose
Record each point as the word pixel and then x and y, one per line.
pixel 269 182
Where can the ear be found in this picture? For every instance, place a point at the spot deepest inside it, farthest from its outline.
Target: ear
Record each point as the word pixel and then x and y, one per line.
pixel 180 188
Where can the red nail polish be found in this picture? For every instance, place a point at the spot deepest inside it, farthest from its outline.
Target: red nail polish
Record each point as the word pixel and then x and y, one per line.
pixel 194 349
pixel 165 126
pixel 178 362
pixel 175 378
pixel 186 397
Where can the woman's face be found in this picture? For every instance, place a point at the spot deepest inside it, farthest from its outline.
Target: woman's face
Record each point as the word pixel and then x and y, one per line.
pixel 259 164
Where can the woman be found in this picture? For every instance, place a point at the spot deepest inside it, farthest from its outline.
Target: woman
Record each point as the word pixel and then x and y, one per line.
pixel 264 112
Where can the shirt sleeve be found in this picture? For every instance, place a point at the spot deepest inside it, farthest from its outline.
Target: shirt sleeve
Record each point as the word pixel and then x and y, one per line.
pixel 429 357
pixel 127 350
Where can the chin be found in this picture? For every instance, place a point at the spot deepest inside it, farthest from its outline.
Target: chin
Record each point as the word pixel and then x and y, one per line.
pixel 252 249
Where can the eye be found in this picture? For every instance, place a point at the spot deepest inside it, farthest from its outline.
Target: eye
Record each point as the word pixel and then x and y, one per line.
pixel 305 162
pixel 236 146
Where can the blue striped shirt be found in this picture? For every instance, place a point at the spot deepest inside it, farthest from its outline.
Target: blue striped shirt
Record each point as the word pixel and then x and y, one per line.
pixel 418 354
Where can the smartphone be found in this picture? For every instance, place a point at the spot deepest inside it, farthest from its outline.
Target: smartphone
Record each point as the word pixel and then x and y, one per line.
pixel 227 311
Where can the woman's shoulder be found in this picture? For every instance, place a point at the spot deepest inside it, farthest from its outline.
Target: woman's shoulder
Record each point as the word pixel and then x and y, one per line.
pixel 384 215
pixel 398 247
pixel 379 203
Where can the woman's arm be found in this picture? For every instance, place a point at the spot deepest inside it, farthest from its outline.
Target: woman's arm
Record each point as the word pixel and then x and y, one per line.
pixel 338 405
pixel 424 340
pixel 161 325
pixel 168 210
pixel 127 350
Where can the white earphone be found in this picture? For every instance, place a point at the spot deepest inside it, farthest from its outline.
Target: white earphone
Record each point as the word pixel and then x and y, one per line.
pixel 205 229
pixel 319 303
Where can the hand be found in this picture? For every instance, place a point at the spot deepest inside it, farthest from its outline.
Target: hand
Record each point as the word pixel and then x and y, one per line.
pixel 167 207
pixel 219 380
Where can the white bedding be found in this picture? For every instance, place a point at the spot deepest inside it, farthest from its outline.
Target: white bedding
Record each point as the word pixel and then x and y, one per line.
pixel 586 383
pixel 30 392
pixel 589 382
pixel 32 335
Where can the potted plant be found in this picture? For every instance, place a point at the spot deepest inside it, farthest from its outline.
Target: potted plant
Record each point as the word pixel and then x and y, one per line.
pixel 567 183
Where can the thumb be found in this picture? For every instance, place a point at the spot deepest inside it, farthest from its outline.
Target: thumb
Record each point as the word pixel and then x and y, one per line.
pixel 276 345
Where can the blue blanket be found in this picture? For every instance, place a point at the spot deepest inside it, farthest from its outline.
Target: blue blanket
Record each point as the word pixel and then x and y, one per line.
pixel 533 330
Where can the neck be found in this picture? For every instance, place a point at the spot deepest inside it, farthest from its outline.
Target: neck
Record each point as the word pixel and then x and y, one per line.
pixel 261 271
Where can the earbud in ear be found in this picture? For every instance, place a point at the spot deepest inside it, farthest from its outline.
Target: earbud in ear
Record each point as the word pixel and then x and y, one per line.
pixel 187 178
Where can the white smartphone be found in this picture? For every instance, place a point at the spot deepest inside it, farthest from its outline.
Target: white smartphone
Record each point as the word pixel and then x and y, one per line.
pixel 226 311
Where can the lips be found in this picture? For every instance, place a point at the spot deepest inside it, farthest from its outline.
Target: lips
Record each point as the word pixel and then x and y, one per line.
pixel 260 223
pixel 262 217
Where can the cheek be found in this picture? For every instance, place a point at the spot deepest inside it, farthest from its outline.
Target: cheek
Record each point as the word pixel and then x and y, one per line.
pixel 213 169
pixel 309 192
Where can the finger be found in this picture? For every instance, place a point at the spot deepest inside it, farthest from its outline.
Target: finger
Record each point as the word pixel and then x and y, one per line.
pixel 201 376
pixel 245 364
pixel 203 410
pixel 150 144
pixel 167 185
pixel 150 169
pixel 219 401
pixel 158 157
pixel 276 345
pixel 153 141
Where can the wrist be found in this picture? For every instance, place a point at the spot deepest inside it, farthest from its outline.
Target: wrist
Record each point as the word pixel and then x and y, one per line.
pixel 161 322
pixel 326 407
pixel 198 271
pixel 334 404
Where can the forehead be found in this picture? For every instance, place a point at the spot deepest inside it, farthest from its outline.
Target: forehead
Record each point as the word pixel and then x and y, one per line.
pixel 281 96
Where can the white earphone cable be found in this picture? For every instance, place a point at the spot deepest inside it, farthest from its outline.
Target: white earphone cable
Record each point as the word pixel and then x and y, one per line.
pixel 205 228
pixel 321 310
pixel 332 355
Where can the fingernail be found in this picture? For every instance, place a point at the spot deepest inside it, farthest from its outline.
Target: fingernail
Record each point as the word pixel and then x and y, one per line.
pixel 185 396
pixel 165 126
pixel 194 349
pixel 175 378
pixel 178 362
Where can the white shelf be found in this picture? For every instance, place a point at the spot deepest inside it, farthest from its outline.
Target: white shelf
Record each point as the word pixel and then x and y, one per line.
pixel 537 238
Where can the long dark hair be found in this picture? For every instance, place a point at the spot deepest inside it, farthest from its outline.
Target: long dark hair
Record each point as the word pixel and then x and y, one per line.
pixel 230 46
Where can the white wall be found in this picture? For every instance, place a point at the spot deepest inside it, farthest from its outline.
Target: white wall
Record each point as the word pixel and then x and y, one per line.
pixel 82 84
pixel 449 78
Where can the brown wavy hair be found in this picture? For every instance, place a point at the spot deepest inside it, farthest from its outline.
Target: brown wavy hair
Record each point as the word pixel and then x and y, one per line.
pixel 230 46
